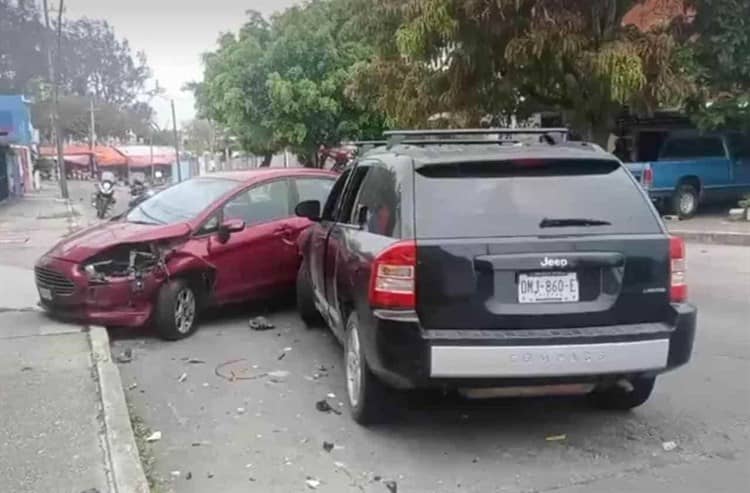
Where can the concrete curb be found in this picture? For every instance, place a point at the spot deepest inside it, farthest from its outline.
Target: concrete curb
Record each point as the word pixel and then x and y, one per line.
pixel 125 463
pixel 715 237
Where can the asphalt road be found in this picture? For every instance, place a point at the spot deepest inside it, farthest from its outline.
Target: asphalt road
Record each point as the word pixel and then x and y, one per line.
pixel 264 434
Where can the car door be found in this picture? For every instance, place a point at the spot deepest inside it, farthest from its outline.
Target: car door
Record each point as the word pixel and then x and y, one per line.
pixel 319 240
pixel 740 151
pixel 248 262
pixel 304 188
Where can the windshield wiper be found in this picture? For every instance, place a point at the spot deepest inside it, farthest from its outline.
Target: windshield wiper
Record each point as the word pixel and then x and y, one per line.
pixel 571 221
pixel 149 216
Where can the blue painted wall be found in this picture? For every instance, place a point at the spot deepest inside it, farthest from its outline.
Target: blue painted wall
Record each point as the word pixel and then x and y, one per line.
pixel 15 119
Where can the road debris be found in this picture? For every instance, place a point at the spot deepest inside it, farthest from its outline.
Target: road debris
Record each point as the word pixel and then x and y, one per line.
pixel 126 356
pixel 556 438
pixel 182 378
pixel 324 407
pixel 261 324
pixel 240 410
pixel 133 386
pixel 175 474
pixel 281 356
pixel 236 369
pixel 189 476
pixel 312 483
pixel 278 376
pixel 26 368
pixel 210 475
pixel 328 446
pixel 392 486
pixel 154 437
pixel 669 446
pixel 193 361
pixel 331 395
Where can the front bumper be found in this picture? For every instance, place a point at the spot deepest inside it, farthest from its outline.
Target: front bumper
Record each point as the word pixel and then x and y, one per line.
pixel 118 302
pixel 404 355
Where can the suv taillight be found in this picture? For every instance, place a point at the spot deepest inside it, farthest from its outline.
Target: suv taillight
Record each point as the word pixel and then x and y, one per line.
pixel 392 281
pixel 678 288
pixel 647 176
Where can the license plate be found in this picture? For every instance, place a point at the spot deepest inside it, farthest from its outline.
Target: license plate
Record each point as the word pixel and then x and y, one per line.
pixel 548 288
pixel 45 294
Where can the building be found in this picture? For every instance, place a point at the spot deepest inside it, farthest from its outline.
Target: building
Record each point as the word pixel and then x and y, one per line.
pixel 17 142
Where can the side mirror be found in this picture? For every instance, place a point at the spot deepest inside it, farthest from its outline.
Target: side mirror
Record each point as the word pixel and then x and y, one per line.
pixel 362 212
pixel 228 227
pixel 309 209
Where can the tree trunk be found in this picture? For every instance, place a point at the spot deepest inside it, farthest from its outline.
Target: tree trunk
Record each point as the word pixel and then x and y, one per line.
pixel 266 160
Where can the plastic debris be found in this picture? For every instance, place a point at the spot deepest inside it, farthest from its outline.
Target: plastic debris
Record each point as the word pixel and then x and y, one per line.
pixel 324 407
pixel 339 465
pixel 328 446
pixel 312 483
pixel 261 324
pixel 154 437
pixel 175 474
pixel 182 378
pixel 669 446
pixel 556 438
pixel 331 395
pixel 392 486
pixel 240 410
pixel 278 376
pixel 126 356
pixel 132 385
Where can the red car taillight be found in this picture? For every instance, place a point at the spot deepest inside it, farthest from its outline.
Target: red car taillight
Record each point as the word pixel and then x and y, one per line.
pixel 647 177
pixel 393 277
pixel 678 288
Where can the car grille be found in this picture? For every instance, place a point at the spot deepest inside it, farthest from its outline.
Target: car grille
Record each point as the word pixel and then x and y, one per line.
pixel 50 279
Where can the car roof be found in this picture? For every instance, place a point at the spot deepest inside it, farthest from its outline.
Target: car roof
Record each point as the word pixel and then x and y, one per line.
pixel 258 174
pixel 424 155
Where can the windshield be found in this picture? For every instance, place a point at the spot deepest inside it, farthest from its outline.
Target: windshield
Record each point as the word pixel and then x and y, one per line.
pixel 181 202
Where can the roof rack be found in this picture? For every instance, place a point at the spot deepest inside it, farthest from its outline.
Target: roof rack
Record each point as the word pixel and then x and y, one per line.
pixel 396 137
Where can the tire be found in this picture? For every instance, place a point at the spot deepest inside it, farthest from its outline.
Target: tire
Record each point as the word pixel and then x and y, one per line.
pixel 618 399
pixel 367 396
pixel 305 300
pixel 685 201
pixel 168 323
pixel 101 208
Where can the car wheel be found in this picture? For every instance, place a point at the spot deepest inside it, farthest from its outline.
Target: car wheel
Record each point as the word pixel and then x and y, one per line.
pixel 367 396
pixel 176 310
pixel 621 399
pixel 685 201
pixel 305 301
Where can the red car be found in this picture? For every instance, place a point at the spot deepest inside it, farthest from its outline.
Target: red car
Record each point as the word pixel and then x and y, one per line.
pixel 213 240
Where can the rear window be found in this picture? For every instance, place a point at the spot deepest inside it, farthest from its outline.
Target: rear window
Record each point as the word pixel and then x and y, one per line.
pixel 529 198
pixel 692 148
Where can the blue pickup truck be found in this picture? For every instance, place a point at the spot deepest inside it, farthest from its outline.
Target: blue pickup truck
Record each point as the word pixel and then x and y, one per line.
pixel 695 168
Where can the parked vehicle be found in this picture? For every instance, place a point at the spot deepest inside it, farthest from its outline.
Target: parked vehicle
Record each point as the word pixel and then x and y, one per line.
pixel 104 197
pixel 695 168
pixel 525 269
pixel 207 241
pixel 140 193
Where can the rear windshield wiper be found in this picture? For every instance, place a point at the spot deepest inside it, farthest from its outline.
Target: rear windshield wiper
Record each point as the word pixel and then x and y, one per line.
pixel 571 221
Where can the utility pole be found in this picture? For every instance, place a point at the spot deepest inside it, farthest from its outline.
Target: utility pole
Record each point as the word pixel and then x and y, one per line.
pixel 176 143
pixel 92 135
pixel 54 72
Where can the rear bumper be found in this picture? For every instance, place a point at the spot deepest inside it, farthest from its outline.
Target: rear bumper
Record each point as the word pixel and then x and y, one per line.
pixel 404 355
pixel 118 303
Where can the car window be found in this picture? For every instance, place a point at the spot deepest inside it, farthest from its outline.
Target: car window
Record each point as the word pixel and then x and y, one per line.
pixel 739 144
pixel 344 212
pixel 692 148
pixel 378 193
pixel 181 202
pixel 507 199
pixel 260 204
pixel 313 189
pixel 335 196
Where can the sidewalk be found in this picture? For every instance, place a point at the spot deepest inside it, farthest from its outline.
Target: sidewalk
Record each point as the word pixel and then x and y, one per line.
pixel 712 229
pixel 64 425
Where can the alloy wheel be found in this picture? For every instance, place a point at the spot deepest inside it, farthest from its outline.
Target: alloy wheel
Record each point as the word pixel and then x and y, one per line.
pixel 184 313
pixel 353 367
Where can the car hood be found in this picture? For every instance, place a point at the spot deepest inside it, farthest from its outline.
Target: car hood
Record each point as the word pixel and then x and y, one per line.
pixel 91 241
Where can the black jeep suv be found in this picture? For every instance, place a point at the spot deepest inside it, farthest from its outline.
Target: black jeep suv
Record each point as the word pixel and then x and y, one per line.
pixel 495 267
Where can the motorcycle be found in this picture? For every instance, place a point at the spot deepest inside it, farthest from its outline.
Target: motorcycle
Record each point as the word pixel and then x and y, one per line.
pixel 104 198
pixel 140 195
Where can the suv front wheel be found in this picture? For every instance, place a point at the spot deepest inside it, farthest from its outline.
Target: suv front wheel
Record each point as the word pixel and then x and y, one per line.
pixel 620 399
pixel 367 395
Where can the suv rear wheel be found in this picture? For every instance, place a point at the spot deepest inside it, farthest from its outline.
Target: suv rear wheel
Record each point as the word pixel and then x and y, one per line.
pixel 619 399
pixel 367 395
pixel 176 310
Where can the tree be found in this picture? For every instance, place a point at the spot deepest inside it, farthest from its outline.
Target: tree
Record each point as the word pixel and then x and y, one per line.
pixel 200 136
pixel 719 44
pixel 477 58
pixel 282 84
pixel 22 57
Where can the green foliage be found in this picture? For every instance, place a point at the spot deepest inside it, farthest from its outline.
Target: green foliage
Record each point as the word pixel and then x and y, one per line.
pixel 282 84
pixel 476 58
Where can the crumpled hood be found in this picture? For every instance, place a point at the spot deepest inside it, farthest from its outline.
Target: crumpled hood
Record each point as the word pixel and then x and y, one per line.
pixel 91 241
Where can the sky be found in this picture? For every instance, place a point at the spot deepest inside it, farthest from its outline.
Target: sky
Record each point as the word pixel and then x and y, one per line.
pixel 173 34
